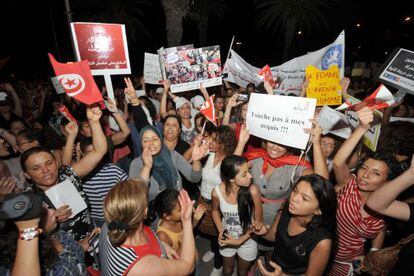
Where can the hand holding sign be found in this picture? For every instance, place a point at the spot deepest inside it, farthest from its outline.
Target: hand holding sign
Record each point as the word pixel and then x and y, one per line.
pixel 366 117
pixel 93 114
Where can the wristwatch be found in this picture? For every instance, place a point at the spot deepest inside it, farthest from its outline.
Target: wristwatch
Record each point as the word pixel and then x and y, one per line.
pixel 29 234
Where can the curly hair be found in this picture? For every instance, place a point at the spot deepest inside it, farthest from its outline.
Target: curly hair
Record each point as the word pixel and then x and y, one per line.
pixel 226 139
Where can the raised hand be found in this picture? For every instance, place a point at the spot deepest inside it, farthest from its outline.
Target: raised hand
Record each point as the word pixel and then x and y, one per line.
pixel 147 157
pixel 366 117
pixel 71 129
pixel 167 85
pixel 186 206
pixel 111 105
pixel 199 150
pixel 129 89
pixel 233 101
pixel 199 212
pixel 93 113
pixel 244 134
pixel 316 131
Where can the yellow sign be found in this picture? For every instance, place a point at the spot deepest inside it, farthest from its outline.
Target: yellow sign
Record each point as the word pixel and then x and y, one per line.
pixel 324 85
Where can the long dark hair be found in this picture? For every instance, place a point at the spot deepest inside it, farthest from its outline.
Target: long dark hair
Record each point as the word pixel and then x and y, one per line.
pixel 326 196
pixel 229 169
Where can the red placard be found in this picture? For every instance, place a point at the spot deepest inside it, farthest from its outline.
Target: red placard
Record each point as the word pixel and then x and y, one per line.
pixel 103 45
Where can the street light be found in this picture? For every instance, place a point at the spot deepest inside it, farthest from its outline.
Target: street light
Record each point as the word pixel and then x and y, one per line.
pixel 299 32
pixel 407 19
pixel 358 25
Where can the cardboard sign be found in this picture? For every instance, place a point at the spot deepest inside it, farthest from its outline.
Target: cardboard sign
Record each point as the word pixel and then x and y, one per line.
pixel 290 74
pixel 334 122
pixel 187 69
pixel 324 85
pixel 399 70
pixel 152 70
pixel 103 45
pixel 371 137
pixel 280 119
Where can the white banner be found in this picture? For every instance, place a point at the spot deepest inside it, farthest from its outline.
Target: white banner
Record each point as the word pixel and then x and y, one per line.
pixel 280 119
pixel 290 74
pixel 152 70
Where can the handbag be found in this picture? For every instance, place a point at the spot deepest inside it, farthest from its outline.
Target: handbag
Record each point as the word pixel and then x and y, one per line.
pixel 381 262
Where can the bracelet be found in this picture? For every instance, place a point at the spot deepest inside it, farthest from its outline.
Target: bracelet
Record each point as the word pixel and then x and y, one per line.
pixel 373 249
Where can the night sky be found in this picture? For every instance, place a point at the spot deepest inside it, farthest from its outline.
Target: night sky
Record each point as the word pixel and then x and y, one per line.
pixel 30 29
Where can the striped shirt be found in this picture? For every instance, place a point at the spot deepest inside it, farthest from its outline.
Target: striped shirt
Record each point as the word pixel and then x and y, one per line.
pixel 97 184
pixel 353 229
pixel 118 260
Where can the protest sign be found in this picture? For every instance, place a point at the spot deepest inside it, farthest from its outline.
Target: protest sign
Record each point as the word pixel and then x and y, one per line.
pixel 164 52
pixel 324 85
pixel 380 98
pixel 187 69
pixel 290 74
pixel 280 119
pixel 58 87
pixel 399 70
pixel 371 137
pixel 103 45
pixel 152 70
pixel 334 122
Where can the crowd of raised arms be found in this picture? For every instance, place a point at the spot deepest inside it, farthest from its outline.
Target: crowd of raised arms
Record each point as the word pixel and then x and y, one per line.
pixel 155 174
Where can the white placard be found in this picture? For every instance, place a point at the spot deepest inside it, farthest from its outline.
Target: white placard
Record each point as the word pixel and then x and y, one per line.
pixel 152 70
pixel 335 122
pixel 280 119
pixel 65 193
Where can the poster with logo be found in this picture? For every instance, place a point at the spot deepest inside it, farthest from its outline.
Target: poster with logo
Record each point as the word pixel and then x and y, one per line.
pixel 280 119
pixel 187 69
pixel 399 70
pixel 103 45
pixel 324 85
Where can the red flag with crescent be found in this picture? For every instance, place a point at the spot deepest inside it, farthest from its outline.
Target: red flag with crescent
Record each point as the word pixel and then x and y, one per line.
pixel 77 81
pixel 209 111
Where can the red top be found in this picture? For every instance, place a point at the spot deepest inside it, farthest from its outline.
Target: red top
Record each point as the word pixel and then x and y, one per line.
pixel 152 247
pixel 353 229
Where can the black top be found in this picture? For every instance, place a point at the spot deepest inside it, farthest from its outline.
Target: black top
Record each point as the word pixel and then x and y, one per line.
pixel 292 252
pixel 182 146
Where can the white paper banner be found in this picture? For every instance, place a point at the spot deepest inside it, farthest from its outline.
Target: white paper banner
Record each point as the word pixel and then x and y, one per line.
pixel 152 70
pixel 280 119
pixel 290 74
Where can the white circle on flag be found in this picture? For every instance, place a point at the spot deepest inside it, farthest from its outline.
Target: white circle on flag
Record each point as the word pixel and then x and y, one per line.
pixel 73 84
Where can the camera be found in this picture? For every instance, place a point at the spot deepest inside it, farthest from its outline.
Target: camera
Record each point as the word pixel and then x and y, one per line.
pixel 19 207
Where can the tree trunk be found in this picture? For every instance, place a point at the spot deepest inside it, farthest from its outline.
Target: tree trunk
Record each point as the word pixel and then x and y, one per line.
pixel 289 36
pixel 174 11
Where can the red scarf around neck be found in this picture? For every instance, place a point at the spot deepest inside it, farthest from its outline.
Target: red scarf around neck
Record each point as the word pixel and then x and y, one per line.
pixel 278 162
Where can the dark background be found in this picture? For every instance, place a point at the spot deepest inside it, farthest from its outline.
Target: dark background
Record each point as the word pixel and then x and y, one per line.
pixel 31 28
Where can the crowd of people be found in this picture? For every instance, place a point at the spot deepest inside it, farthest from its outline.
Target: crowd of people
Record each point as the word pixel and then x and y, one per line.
pixel 154 173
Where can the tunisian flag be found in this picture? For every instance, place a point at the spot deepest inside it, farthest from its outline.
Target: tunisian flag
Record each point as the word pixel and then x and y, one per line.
pixel 208 110
pixel 77 81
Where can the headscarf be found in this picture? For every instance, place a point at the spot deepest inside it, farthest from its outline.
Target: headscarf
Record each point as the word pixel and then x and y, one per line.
pixel 163 169
pixel 275 162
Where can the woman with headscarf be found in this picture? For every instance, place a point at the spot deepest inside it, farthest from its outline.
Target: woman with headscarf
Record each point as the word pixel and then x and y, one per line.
pixel 160 166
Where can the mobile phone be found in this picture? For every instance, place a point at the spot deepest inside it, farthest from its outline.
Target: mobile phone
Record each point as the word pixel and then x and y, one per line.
pixel 266 263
